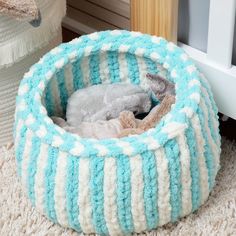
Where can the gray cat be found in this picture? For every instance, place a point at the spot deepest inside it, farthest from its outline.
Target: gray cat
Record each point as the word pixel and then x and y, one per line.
pixel 105 102
pixel 159 86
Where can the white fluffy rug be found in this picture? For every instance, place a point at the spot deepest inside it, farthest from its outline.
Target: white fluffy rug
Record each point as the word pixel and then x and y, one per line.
pixel 216 217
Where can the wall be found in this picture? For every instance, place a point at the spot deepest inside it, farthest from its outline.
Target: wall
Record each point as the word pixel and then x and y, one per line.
pixel 193 23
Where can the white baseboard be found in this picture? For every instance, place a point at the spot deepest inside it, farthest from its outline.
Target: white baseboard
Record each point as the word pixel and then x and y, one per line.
pixel 221 79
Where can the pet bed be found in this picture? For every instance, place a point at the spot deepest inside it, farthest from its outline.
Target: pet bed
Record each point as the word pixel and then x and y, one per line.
pixel 116 186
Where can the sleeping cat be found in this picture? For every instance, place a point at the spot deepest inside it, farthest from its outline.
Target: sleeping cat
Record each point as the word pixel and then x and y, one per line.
pixel 105 102
pixel 123 122
pixel 126 124
pixel 159 86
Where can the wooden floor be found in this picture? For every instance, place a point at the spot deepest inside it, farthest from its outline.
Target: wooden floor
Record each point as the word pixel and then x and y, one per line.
pixel 227 128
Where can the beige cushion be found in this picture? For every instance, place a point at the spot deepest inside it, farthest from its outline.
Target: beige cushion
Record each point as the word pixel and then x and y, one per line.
pixel 22 10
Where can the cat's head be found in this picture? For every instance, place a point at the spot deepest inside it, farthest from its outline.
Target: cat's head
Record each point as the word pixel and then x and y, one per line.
pixel 160 86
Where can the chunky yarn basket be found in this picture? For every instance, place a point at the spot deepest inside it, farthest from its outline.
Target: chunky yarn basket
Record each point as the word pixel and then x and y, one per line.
pixel 116 186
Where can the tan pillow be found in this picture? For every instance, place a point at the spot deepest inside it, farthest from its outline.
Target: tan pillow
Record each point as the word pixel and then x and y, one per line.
pixel 20 9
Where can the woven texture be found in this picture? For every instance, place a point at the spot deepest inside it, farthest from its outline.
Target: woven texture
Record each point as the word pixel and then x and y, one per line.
pixel 216 217
pixel 10 78
pixel 18 39
pixel 116 186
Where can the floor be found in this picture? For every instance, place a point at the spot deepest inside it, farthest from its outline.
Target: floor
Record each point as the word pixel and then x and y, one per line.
pixel 228 128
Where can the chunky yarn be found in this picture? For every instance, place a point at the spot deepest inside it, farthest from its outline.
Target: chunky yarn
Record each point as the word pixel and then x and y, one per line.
pixel 116 186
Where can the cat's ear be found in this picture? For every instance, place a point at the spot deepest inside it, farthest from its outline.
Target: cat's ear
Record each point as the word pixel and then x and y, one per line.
pixel 157 82
pixel 155 78
pixel 158 85
pixel 151 76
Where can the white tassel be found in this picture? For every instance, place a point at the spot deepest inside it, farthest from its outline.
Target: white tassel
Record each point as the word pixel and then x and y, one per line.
pixel 31 39
pixel 9 81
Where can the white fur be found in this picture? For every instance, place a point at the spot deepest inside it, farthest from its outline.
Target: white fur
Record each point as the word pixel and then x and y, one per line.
pixel 104 102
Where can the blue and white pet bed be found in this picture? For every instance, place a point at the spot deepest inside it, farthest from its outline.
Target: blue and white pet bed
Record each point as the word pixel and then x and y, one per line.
pixel 116 186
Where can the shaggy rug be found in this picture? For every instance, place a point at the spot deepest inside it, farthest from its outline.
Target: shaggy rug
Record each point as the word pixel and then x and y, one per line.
pixel 216 217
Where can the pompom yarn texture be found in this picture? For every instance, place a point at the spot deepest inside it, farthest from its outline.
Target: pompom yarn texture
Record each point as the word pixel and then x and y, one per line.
pixel 116 186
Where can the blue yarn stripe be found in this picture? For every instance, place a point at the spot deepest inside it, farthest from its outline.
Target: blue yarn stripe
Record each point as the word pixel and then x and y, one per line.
pixel 50 106
pixel 49 179
pixel 97 196
pixel 194 168
pixel 78 82
pixel 150 188
pixel 60 76
pixel 20 149
pixel 32 168
pixel 172 155
pixel 124 194
pixel 72 192
pixel 210 106
pixel 113 66
pixel 209 92
pixel 133 68
pixel 213 134
pixel 151 66
pixel 215 110
pixel 210 121
pixel 207 153
pixel 94 68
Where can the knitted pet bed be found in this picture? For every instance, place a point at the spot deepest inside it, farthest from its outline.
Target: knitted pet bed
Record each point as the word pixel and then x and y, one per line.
pixel 116 186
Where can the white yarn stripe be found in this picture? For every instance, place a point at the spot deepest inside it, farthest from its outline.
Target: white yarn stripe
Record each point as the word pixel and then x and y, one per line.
pixel 69 79
pixel 18 129
pixel 137 200
pixel 123 65
pixel 161 71
pixel 143 70
pixel 26 158
pixel 201 159
pixel 85 70
pixel 214 147
pixel 164 206
pixel 110 205
pixel 214 120
pixel 215 123
pixel 84 200
pixel 185 175
pixel 39 186
pixel 60 189
pixel 56 96
pixel 103 67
